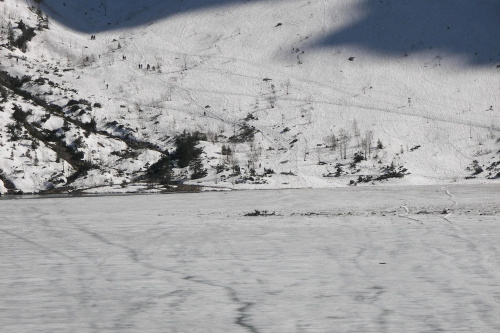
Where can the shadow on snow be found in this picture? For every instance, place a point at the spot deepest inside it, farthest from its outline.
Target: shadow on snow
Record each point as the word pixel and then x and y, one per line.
pixel 466 28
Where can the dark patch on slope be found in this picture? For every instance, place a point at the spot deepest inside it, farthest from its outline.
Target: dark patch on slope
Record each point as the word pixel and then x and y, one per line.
pixel 470 29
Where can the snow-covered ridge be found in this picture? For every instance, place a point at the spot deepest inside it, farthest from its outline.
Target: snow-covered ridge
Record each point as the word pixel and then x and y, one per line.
pixel 268 81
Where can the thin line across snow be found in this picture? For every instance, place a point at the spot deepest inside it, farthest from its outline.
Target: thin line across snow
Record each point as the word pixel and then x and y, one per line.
pixel 452 209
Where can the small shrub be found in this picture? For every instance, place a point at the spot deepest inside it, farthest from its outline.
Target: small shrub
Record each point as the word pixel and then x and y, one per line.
pixel 84 102
pixel 268 171
pixel 260 213
pixel 40 81
pixel 236 170
pixel 19 115
pixel 338 170
pixel 246 134
pixel 74 108
pixel 250 117
pixel 475 168
pixel 13 130
pixel 226 150
pixel 358 157
pixel 393 172
pixel 220 168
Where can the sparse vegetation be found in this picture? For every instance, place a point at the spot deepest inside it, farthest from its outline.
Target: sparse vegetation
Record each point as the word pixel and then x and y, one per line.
pixel 246 134
pixel 260 213
pixel 475 168
pixel 161 171
pixel 21 42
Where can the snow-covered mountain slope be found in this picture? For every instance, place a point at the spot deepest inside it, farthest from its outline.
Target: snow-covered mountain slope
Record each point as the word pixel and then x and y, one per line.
pixel 417 101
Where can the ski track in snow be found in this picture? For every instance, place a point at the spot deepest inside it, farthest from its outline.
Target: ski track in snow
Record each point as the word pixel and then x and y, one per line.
pixel 279 73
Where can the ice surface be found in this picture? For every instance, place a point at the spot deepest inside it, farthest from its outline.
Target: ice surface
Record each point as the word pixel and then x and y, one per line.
pixel 419 259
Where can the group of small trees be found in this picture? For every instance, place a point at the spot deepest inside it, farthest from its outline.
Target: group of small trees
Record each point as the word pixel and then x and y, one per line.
pixel 15 129
pixel 187 154
pixel 43 21
pixel 21 42
pixel 341 141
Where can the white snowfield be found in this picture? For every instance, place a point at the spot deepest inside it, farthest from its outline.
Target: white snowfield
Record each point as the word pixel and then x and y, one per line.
pixel 412 259
pixel 423 77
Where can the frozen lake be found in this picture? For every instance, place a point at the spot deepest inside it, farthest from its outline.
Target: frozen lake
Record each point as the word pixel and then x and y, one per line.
pixel 420 259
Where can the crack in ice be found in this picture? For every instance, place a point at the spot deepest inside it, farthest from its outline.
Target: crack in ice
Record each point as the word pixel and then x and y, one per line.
pixel 242 319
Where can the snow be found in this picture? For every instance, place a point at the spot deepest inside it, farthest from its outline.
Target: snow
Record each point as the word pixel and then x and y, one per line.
pixel 54 123
pixel 427 77
pixel 413 254
pixel 353 259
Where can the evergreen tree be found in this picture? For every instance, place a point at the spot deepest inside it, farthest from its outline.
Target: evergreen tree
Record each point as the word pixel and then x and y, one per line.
pixel 186 149
pixel 197 170
pixel 161 171
pixel 10 36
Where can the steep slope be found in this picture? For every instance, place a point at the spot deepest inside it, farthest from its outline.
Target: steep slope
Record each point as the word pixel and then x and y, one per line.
pixel 272 81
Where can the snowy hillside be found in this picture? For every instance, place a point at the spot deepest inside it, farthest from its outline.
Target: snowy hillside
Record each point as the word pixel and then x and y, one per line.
pixel 273 94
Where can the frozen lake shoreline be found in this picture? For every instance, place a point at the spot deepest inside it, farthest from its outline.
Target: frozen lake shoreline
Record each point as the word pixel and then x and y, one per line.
pixel 332 260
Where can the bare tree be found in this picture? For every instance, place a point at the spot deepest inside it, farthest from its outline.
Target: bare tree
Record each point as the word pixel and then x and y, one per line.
pixel 366 143
pixel 253 155
pixel 232 159
pixel 344 139
pixel 332 142
pixel 159 63
pixel 170 89
pixel 272 96
pixel 357 132
pixel 212 136
pixel 319 155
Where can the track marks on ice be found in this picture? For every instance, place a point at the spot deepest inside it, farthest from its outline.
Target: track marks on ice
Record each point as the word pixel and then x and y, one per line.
pixel 46 249
pixel 453 208
pixel 243 316
pixel 407 212
pixel 242 319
